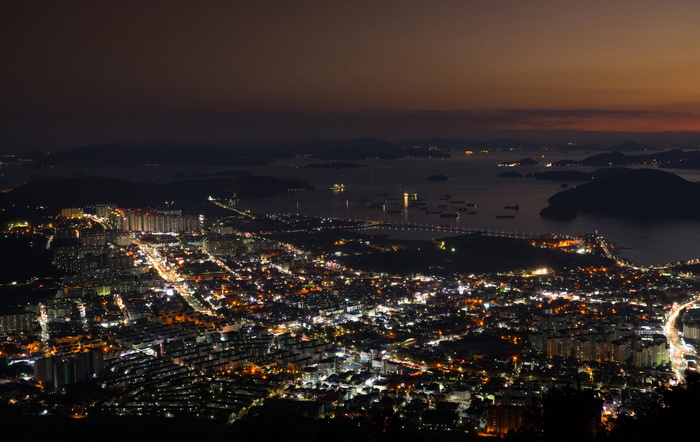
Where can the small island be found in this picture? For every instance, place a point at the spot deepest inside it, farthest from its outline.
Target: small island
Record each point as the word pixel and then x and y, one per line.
pixel 437 178
pixel 636 194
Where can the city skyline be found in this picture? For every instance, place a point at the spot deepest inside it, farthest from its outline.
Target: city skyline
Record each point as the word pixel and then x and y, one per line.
pixel 377 221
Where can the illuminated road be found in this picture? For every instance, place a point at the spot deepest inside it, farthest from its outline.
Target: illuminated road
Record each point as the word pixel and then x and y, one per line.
pixel 104 222
pixel 678 350
pixel 230 207
pixel 603 244
pixel 171 277
pixel 443 228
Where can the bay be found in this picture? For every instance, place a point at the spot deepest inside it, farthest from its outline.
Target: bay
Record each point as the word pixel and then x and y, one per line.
pixel 472 178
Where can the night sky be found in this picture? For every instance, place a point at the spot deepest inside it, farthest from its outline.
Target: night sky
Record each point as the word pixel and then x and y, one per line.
pixel 96 71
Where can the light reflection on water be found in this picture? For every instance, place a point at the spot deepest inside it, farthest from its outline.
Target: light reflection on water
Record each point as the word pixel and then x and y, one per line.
pixel 472 178
pixel 475 179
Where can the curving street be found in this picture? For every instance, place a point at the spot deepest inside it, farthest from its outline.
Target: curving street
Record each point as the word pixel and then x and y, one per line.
pixel 678 350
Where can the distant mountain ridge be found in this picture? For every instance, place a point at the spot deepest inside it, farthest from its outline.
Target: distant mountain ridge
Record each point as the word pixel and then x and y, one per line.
pixel 57 193
pixel 509 143
pixel 247 152
pixel 674 158
pixel 241 153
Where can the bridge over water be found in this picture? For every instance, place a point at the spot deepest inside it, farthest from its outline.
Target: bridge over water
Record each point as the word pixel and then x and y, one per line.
pixel 441 228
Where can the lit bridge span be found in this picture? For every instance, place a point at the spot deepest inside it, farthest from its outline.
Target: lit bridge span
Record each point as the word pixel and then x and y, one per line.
pixel 455 229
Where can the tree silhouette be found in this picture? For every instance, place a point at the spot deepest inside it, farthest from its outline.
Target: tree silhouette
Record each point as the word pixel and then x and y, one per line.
pixel 671 418
pixel 565 414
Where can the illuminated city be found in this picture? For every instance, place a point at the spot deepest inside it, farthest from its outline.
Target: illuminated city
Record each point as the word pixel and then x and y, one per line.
pixel 204 318
pixel 409 221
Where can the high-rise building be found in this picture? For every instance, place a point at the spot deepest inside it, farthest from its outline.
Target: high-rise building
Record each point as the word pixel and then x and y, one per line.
pixel 72 212
pixel 501 419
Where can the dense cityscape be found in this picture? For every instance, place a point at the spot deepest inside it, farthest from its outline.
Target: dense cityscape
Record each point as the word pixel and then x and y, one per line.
pixel 382 221
pixel 243 318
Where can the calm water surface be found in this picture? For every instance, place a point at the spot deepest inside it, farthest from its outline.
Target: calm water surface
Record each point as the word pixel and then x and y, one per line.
pixel 472 178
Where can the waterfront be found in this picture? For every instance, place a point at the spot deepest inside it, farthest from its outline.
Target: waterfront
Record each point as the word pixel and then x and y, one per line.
pixel 471 178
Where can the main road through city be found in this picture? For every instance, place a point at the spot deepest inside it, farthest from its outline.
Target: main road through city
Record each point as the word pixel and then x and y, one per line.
pixel 678 350
pixel 170 276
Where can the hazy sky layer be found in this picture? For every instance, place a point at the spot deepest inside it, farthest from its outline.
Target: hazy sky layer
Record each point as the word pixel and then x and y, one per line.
pixel 75 72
